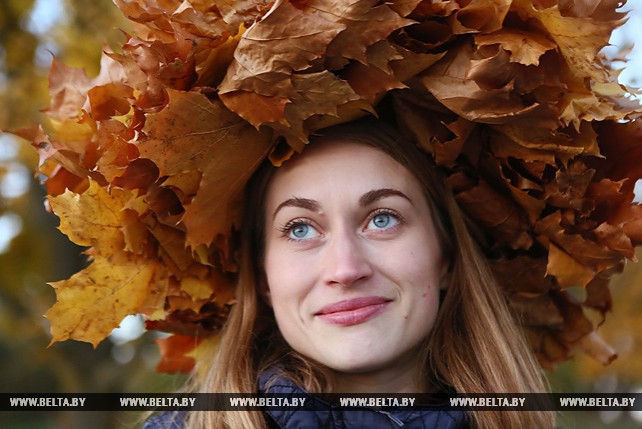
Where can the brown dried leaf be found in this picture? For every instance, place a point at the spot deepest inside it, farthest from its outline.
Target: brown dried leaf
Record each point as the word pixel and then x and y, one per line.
pixel 448 82
pixel 366 23
pixel 579 40
pixel 525 47
pixel 112 99
pixel 255 108
pixel 267 55
pixel 504 220
pixel 522 275
pixel 615 239
pixel 194 133
pixel 537 311
pixel 480 15
pixel 567 270
pixel 588 258
pixel 370 82
pixel 565 143
pixel 594 346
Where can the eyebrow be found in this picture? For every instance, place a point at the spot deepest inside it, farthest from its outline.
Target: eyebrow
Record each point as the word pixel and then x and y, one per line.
pixel 378 194
pixel 365 200
pixel 303 203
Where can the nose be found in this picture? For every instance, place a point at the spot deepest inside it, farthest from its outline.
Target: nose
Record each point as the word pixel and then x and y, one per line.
pixel 346 260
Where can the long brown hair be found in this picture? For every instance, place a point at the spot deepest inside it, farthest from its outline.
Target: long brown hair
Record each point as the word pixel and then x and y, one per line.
pixel 475 345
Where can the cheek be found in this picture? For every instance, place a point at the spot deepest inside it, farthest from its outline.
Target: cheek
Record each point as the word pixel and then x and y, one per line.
pixel 421 265
pixel 420 276
pixel 285 282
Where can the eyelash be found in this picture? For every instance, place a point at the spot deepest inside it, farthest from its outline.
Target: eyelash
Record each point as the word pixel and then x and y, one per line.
pixel 288 227
pixel 389 212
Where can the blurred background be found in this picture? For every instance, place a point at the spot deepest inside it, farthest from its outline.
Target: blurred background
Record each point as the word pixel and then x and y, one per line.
pixel 33 252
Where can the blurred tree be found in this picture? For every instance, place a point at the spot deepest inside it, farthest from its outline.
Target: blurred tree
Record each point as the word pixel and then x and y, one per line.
pixel 31 33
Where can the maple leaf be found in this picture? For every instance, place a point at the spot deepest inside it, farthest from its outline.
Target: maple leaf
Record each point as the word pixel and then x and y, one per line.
pixel 116 284
pixel 447 81
pixel 262 64
pixel 579 40
pixel 525 47
pixel 404 7
pixel 484 16
pixel 92 218
pixel 522 275
pixel 365 24
pixel 68 91
pixel 94 301
pixel 193 133
pixel 588 258
pixel 272 83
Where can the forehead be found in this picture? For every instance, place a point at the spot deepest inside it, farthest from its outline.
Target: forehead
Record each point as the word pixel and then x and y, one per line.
pixel 339 163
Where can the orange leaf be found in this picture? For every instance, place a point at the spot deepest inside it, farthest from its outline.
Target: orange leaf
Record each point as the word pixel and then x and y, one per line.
pixel 175 352
pixel 108 100
pixel 68 91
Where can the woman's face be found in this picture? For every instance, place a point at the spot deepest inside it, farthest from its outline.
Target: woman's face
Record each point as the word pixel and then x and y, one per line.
pixel 352 261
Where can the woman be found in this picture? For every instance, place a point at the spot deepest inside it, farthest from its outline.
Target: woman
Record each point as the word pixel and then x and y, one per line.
pixel 359 274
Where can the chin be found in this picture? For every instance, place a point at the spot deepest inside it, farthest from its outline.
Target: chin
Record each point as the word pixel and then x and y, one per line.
pixel 355 364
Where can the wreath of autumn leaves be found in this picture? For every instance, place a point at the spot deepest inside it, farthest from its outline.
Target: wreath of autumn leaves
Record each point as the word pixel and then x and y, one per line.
pixel 145 163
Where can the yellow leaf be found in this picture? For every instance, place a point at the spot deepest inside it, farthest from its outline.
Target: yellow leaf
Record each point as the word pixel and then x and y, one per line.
pixel 94 301
pixel 568 271
pixel 196 288
pixel 93 218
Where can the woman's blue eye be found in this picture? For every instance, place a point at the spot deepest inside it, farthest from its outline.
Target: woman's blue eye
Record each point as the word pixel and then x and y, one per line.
pixel 382 221
pixel 300 231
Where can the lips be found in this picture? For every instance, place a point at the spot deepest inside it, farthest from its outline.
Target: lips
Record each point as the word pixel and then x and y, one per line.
pixel 353 311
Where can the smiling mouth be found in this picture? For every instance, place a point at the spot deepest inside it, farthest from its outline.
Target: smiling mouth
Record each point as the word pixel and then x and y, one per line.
pixel 353 311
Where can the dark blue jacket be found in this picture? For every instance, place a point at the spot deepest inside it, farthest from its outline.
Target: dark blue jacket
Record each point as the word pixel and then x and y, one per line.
pixel 332 416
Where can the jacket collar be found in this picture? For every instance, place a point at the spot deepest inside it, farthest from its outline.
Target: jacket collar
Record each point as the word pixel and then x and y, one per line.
pixel 331 416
